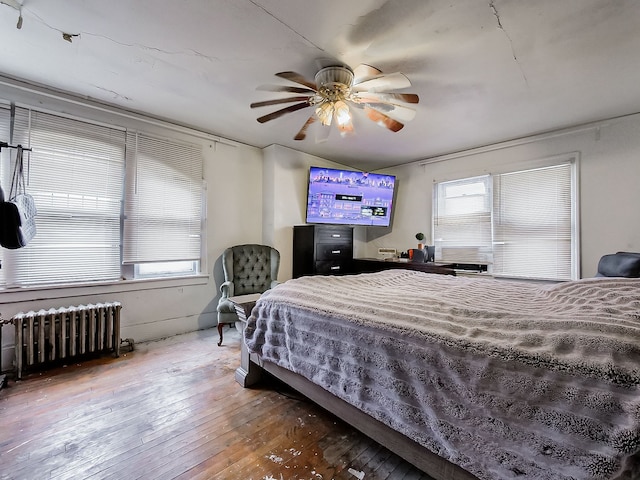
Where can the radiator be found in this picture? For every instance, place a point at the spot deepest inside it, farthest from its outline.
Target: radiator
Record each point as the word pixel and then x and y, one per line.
pixel 47 336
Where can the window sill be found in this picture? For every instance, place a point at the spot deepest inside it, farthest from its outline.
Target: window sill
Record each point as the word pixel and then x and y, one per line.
pixel 43 292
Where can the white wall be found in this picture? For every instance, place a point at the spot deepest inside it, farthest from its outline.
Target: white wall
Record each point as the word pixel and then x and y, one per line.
pixel 609 194
pixel 156 309
pixel 286 173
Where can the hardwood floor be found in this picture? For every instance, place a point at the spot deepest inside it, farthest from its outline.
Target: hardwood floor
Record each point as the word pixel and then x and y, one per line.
pixel 172 410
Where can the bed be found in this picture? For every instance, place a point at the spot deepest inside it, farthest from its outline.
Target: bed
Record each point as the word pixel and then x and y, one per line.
pixel 467 378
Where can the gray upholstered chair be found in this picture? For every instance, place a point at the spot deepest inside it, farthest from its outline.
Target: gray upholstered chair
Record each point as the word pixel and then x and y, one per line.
pixel 247 269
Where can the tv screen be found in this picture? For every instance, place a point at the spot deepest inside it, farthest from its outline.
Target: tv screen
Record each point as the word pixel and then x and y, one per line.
pixel 346 197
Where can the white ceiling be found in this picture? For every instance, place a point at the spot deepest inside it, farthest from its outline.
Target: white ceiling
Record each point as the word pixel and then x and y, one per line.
pixel 485 71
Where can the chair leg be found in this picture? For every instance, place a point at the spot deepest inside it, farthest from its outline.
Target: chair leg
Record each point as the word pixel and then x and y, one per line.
pixel 220 333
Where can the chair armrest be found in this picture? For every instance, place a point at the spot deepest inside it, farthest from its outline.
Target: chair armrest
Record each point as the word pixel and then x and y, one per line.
pixel 227 289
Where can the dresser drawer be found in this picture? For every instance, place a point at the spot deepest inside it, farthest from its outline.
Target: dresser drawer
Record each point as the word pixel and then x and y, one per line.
pixel 334 235
pixel 332 267
pixel 331 251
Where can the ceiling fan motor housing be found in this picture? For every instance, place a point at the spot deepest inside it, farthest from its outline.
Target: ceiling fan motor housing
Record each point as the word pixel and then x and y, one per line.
pixel 334 80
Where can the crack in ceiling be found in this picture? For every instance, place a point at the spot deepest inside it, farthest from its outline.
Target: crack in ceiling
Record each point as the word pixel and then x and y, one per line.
pixel 286 25
pixel 69 37
pixel 494 10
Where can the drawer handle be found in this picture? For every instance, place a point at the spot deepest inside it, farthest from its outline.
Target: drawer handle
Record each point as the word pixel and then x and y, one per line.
pixel 335 268
pixel 337 252
pixel 335 235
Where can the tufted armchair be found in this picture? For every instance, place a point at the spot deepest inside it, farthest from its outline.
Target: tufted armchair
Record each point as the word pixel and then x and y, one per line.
pixel 247 269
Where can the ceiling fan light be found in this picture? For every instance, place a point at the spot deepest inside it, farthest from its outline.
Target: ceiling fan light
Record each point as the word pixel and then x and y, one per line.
pixel 343 115
pixel 324 111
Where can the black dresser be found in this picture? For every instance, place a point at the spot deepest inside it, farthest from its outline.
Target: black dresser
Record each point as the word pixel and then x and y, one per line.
pixel 322 250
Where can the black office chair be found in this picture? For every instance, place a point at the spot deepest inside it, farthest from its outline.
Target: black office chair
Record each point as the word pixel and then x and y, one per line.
pixel 417 255
pixel 620 264
pixel 426 254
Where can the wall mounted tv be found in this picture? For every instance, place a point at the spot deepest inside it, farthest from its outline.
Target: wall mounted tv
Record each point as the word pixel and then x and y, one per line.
pixel 346 197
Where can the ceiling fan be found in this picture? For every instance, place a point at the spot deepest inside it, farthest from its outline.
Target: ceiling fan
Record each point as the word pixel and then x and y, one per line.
pixel 337 88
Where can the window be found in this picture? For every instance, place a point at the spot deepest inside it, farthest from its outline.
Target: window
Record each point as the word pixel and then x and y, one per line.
pixel 163 204
pixel 522 223
pixel 462 220
pixel 84 177
pixel 533 225
pixel 75 175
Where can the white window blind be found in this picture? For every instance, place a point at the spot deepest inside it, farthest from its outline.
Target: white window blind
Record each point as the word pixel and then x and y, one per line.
pixel 5 173
pixel 462 220
pixel 533 223
pixel 163 200
pixel 75 174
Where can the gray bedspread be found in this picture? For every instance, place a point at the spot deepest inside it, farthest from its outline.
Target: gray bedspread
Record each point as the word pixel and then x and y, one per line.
pixel 506 379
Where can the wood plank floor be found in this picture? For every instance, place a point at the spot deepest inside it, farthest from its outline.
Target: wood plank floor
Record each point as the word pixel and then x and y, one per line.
pixel 172 410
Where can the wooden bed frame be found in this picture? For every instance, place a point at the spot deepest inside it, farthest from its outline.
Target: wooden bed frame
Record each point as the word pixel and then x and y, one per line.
pixel 250 372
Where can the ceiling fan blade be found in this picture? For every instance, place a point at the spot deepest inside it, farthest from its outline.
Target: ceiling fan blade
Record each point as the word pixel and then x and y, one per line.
pixel 282 88
pixel 346 129
pixel 297 78
pixel 322 134
pixel 363 72
pixel 384 82
pixel 302 134
pixel 279 113
pixel 377 97
pixel 383 120
pixel 397 112
pixel 278 101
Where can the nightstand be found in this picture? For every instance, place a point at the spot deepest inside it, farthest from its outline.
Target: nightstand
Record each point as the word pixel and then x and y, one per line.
pixel 247 373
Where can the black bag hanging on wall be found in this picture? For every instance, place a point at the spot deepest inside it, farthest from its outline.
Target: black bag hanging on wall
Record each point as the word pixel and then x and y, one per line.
pixel 17 215
pixel 10 223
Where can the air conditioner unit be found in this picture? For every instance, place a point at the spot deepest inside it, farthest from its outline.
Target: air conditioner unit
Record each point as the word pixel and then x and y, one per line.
pixel 384 252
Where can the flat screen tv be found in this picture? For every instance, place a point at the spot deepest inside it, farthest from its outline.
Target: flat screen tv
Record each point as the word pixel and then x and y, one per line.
pixel 346 197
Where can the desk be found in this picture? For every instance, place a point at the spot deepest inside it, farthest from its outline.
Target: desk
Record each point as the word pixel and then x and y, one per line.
pixel 369 265
pixel 247 373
